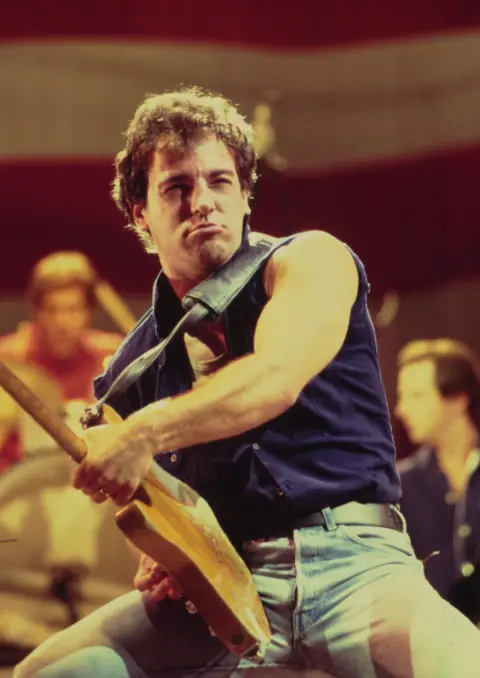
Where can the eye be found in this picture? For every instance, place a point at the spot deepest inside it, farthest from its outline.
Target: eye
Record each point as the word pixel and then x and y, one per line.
pixel 222 180
pixel 177 187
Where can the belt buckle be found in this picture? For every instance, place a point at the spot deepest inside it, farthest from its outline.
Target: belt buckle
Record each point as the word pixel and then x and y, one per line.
pixel 398 519
pixel 330 523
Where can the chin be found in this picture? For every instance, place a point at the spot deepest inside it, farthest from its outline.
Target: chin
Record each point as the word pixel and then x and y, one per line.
pixel 419 439
pixel 414 437
pixel 214 253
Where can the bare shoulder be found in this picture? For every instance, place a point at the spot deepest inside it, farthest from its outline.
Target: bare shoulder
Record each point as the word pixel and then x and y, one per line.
pixel 14 346
pixel 102 343
pixel 312 254
pixel 317 245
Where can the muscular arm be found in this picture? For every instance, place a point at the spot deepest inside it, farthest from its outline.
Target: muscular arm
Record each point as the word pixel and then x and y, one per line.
pixel 312 284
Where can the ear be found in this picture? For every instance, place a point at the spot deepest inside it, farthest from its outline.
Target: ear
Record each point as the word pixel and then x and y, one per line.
pixel 463 402
pixel 460 402
pixel 139 216
pixel 245 201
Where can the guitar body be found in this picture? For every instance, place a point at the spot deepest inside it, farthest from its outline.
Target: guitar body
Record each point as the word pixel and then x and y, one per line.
pixel 173 525
pixel 180 532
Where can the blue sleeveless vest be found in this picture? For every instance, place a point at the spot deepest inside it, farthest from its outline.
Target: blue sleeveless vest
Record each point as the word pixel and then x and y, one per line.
pixel 332 446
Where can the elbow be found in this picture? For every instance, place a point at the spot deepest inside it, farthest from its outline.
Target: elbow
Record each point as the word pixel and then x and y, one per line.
pixel 288 398
pixel 275 390
pixel 282 396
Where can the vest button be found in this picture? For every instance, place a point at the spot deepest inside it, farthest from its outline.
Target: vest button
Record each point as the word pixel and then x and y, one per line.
pixel 173 458
pixel 464 531
pixel 256 446
pixel 467 569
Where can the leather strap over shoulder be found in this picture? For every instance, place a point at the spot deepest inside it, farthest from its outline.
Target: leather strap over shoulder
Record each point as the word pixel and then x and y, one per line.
pixel 218 291
pixel 206 301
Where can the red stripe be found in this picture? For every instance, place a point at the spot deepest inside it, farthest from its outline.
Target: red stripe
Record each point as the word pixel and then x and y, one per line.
pixel 414 223
pixel 303 23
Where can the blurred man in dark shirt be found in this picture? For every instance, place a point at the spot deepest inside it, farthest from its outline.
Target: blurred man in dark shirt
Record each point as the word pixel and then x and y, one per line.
pixel 439 405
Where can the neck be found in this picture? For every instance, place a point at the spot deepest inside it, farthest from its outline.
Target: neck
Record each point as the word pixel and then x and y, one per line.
pixel 44 349
pixel 181 287
pixel 453 449
pixel 182 284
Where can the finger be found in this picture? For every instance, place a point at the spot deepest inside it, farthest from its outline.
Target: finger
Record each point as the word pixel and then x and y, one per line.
pixel 159 591
pixel 85 477
pixel 98 497
pixel 100 485
pixel 174 591
pixel 148 567
pixel 145 562
pixel 122 495
pixel 166 589
pixel 81 475
pixel 145 580
pixel 142 583
pixel 76 477
pixel 110 486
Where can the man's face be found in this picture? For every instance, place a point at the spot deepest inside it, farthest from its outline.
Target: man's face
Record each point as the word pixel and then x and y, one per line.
pixel 420 406
pixel 194 209
pixel 62 316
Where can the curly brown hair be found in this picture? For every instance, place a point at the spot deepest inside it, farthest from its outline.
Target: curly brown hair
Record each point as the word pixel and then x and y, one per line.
pixel 180 119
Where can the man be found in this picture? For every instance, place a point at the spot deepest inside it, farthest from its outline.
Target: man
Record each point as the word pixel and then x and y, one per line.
pixel 439 405
pixel 289 439
pixel 58 350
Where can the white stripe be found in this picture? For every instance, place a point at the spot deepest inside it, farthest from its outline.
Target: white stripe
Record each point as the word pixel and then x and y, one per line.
pixel 347 105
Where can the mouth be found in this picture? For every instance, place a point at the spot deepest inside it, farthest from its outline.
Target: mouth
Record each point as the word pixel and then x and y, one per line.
pixel 206 229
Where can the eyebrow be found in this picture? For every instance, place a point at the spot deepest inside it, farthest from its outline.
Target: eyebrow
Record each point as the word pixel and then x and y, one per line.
pixel 184 176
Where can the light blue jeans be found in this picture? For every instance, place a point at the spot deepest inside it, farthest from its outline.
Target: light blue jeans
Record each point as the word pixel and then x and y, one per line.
pixel 349 603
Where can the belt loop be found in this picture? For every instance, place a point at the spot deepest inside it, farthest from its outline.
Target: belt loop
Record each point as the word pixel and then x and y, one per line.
pixel 330 523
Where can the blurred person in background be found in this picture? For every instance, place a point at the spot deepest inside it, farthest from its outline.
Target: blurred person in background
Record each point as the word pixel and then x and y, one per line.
pixel 58 353
pixel 60 540
pixel 439 406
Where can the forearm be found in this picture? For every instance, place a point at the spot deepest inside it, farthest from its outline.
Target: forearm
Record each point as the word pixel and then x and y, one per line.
pixel 239 397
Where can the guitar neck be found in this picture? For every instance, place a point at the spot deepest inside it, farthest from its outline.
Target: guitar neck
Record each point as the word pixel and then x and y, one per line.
pixel 43 415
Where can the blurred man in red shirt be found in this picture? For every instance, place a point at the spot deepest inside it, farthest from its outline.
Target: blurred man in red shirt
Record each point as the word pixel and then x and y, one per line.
pixel 57 351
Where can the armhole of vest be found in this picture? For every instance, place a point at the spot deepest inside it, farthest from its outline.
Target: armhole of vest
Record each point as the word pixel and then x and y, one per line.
pixel 259 278
pixel 363 284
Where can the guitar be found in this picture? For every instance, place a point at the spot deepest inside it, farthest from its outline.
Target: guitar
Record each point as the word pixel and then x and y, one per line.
pixel 172 524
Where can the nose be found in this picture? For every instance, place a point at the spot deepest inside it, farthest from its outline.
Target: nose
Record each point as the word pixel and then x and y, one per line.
pixel 61 321
pixel 202 201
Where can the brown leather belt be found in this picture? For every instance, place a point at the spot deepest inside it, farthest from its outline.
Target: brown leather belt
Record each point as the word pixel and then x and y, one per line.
pixel 353 513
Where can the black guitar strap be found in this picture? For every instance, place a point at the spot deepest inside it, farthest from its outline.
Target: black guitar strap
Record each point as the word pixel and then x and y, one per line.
pixel 207 301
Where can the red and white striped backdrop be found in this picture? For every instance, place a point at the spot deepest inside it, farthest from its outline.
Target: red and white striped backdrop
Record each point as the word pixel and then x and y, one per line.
pixel 377 113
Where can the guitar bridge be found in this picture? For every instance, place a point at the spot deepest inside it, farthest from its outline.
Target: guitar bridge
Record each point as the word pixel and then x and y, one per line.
pixel 92 416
